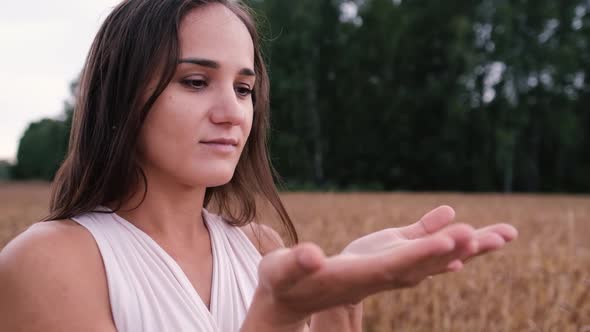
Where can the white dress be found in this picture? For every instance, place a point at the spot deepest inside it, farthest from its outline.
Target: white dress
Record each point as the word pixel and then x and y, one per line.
pixel 148 290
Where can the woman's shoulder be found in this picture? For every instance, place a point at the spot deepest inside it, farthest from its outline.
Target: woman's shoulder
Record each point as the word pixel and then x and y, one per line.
pixel 50 269
pixel 48 240
pixel 263 237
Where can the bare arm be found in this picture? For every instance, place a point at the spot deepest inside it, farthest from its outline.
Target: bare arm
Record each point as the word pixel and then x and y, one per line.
pixel 50 282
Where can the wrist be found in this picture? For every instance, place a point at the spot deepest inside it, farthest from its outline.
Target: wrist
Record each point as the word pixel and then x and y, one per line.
pixel 342 318
pixel 353 307
pixel 268 314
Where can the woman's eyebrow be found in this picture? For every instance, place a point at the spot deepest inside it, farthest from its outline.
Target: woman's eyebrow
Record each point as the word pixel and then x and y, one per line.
pixel 214 65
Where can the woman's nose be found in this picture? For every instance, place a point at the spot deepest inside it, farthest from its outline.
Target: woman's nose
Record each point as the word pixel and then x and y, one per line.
pixel 227 108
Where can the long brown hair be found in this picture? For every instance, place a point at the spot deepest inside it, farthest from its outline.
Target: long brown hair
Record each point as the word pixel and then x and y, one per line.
pixel 100 168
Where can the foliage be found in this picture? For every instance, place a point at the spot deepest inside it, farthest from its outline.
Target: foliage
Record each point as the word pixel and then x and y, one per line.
pixel 414 95
pixel 486 95
pixel 44 144
pixel 41 150
pixel 5 170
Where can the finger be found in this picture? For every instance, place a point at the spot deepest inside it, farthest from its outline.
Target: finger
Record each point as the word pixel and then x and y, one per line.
pixel 349 278
pixel 465 246
pixel 454 266
pixel 361 275
pixel 460 233
pixel 492 238
pixel 506 231
pixel 284 267
pixel 436 265
pixel 487 242
pixel 428 255
pixel 463 238
pixel 430 223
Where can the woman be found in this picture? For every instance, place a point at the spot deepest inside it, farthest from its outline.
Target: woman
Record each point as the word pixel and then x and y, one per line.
pixel 171 118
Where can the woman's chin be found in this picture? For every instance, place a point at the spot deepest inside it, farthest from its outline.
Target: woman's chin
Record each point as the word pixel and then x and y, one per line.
pixel 218 182
pixel 213 175
pixel 213 179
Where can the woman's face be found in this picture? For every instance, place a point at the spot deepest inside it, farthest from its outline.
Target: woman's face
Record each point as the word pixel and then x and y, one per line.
pixel 198 126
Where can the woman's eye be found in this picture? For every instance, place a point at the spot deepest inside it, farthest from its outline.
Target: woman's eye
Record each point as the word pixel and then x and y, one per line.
pixel 243 91
pixel 196 84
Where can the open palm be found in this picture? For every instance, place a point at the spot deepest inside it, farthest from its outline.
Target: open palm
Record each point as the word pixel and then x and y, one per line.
pixel 301 280
pixel 483 240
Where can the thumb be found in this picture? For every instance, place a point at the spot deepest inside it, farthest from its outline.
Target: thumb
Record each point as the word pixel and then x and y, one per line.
pixel 430 223
pixel 281 269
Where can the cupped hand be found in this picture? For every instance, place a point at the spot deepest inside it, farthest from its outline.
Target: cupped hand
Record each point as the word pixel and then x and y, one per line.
pixel 301 280
pixel 484 240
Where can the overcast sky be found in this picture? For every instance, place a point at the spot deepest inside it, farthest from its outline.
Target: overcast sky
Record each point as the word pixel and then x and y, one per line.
pixel 43 45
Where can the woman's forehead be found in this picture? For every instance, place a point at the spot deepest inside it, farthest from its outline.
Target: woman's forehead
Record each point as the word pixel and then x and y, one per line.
pixel 215 32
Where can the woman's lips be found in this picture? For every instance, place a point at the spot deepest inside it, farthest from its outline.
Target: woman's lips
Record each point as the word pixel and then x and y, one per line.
pixel 221 145
pixel 222 140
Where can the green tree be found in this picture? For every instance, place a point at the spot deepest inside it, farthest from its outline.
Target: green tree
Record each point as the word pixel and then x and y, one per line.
pixel 41 150
pixel 533 122
pixel 44 144
pixel 298 35
pixel 461 95
pixel 486 95
pixel 5 170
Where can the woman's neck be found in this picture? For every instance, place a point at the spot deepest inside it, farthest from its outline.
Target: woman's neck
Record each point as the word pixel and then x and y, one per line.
pixel 170 213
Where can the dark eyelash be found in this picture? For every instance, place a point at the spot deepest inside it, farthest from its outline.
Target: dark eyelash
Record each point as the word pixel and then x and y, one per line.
pixel 247 91
pixel 188 82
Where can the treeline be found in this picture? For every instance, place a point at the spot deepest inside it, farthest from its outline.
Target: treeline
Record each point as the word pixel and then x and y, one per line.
pixel 43 146
pixel 486 95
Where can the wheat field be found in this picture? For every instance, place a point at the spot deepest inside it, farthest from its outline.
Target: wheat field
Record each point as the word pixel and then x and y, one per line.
pixel 539 283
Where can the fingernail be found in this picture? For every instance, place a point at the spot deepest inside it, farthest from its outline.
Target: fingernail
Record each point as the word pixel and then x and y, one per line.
pixel 455 266
pixel 304 258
